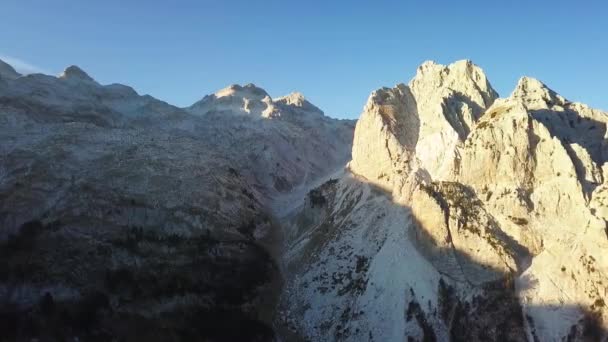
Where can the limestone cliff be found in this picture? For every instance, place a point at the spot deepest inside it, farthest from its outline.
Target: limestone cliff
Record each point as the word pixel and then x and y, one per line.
pixel 469 212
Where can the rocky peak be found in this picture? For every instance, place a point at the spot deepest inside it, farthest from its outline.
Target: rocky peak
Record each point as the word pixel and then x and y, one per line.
pixel 7 71
pixel 249 91
pixel 75 73
pixel 535 95
pixel 248 99
pixel 463 77
pixel 518 186
pixel 253 100
pixel 421 124
pixel 297 99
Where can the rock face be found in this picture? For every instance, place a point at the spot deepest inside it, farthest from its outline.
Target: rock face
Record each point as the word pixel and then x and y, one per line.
pixel 123 217
pixel 289 142
pixel 419 125
pixel 462 216
pixel 247 99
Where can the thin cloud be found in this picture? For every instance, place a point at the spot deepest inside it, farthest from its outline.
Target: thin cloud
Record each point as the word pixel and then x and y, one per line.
pixel 22 66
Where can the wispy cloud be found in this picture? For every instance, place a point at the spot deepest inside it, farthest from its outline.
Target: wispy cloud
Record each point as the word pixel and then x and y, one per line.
pixel 22 66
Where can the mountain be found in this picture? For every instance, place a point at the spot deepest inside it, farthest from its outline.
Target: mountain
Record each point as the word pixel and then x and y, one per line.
pixel 462 216
pixel 289 141
pixel 124 217
pixel 7 71
pixel 444 213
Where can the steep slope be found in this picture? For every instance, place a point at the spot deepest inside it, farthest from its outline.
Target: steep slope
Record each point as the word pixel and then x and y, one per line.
pixel 418 126
pixel 289 141
pixel 461 216
pixel 539 186
pixel 7 71
pixel 124 217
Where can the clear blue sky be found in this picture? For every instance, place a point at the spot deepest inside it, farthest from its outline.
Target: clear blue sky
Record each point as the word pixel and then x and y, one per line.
pixel 335 52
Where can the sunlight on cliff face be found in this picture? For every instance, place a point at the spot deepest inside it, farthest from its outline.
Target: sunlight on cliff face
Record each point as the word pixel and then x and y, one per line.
pixel 474 266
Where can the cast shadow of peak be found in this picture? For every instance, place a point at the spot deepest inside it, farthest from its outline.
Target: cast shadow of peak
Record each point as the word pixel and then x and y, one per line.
pixel 570 127
pixel 454 113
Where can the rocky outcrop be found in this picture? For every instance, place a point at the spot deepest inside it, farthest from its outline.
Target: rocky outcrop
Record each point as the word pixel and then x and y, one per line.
pixel 418 126
pixel 75 73
pixel 247 99
pixel 498 204
pixel 386 135
pixel 289 141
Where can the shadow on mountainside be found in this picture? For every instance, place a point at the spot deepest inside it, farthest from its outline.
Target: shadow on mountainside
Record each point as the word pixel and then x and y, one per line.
pixel 476 301
pixel 572 128
pixel 134 284
pixel 176 288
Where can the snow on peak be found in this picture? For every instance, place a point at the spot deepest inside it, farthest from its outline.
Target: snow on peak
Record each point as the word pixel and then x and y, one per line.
pixel 74 72
pixel 7 71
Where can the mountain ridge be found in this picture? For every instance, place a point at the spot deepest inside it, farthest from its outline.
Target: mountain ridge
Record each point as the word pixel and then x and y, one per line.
pixel 444 213
pixel 490 207
pixel 117 208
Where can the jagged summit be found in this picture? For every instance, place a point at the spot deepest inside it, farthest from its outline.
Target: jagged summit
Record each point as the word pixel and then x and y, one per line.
pixel 7 71
pixel 434 112
pixel 463 75
pixel 534 94
pixel 73 72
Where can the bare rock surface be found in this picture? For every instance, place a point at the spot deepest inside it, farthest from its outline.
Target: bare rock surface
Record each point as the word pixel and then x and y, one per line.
pixel 123 217
pixel 459 215
pixel 462 216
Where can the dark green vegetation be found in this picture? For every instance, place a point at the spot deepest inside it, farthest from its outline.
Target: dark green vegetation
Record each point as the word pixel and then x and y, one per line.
pixel 316 195
pixel 137 285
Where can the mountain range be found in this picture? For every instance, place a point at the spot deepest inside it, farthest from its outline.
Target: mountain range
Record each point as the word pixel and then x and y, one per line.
pixel 444 213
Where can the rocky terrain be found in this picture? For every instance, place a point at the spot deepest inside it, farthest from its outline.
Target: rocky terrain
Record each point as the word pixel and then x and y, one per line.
pixel 125 218
pixel 450 214
pixel 462 216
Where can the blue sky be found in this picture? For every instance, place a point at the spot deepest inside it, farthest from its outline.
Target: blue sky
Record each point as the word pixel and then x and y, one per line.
pixel 334 52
